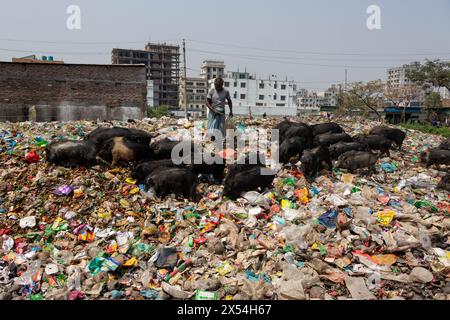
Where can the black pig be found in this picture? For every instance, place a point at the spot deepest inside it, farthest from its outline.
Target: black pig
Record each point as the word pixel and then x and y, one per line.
pixel 353 160
pixel 70 153
pixel 445 183
pixel 291 148
pixel 180 181
pixel 247 180
pixel 311 161
pixel 321 128
pixel 328 139
pixel 376 142
pixel 445 144
pixel 100 135
pixel 436 157
pixel 142 170
pixel 395 135
pixel 162 149
pixel 342 147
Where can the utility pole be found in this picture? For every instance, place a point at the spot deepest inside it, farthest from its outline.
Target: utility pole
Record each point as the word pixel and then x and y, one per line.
pixel 345 88
pixel 185 80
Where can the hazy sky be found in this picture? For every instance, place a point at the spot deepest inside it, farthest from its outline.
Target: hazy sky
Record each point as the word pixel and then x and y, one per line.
pixel 316 39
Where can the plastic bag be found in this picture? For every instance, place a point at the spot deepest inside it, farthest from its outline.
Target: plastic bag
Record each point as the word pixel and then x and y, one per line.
pixel 229 123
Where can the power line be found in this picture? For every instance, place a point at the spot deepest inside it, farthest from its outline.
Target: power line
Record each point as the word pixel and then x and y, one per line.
pixel 319 53
pixel 86 42
pixel 317 59
pixel 55 52
pixel 226 45
pixel 290 63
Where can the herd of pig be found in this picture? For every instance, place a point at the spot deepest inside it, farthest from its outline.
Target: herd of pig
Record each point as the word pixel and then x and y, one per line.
pixel 313 145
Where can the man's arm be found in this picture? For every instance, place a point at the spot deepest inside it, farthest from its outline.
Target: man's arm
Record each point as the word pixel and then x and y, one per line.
pixel 230 105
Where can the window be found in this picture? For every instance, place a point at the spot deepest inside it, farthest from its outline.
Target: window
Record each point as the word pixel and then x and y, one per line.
pixel 275 85
pixel 259 104
pixel 235 95
pixel 280 104
pixel 261 85
pixel 283 87
pixel 235 84
pixel 189 83
pixel 242 84
pixel 283 98
pixel 274 96
pixel 214 69
pixel 242 96
pixel 226 84
pixel 261 97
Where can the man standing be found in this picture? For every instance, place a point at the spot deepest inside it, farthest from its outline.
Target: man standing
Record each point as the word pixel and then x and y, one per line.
pixel 215 101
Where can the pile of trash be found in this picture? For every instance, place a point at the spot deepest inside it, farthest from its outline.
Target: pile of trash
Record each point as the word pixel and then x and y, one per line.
pixel 97 234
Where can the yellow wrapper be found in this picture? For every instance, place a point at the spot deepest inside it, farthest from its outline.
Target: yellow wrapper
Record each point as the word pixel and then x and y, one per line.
pixel 134 190
pixel 286 204
pixel 385 217
pixel 131 181
pixel 131 262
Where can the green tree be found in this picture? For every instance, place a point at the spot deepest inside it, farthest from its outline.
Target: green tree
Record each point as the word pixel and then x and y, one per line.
pixel 432 103
pixel 431 74
pixel 157 112
pixel 362 96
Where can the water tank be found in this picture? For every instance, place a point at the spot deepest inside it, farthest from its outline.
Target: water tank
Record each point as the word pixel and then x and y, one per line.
pixel 44 58
pixel 50 58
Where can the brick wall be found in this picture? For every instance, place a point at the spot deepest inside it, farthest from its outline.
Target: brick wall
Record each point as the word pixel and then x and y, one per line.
pixel 72 91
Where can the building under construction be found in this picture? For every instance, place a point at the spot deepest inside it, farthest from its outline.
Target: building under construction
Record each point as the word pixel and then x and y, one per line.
pixel 163 68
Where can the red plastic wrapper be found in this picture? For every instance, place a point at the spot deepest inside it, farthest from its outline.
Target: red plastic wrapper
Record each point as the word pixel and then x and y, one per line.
pixel 32 157
pixel 200 240
pixel 5 231
pixel 76 295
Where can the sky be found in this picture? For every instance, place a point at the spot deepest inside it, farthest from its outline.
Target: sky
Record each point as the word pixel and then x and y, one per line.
pixel 311 42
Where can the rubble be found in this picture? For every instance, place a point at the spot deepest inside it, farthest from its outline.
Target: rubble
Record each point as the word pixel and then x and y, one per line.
pixel 96 234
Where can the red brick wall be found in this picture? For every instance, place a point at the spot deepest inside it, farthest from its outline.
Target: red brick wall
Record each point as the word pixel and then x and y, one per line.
pixel 63 92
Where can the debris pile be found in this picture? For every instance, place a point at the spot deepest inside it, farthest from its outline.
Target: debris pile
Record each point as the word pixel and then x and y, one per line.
pixel 96 233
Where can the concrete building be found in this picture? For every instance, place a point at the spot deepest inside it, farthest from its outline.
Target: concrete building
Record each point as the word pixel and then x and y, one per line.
pixel 258 96
pixel 397 76
pixel 150 93
pixel 445 93
pixel 309 103
pixel 163 67
pixel 211 69
pixel 196 91
pixel 63 92
pixel 315 102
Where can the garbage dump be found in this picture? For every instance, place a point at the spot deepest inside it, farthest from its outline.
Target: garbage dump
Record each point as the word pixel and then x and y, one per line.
pixel 328 231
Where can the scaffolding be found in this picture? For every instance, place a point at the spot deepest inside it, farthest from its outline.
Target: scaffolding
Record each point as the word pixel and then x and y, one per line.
pixel 163 67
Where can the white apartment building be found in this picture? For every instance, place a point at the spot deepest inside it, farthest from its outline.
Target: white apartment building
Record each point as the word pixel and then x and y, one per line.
pixel 397 76
pixel 258 96
pixel 309 104
pixel 445 93
pixel 312 102
pixel 196 91
pixel 211 69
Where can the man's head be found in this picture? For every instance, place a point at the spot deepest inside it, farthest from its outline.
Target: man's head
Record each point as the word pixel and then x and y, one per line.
pixel 218 84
